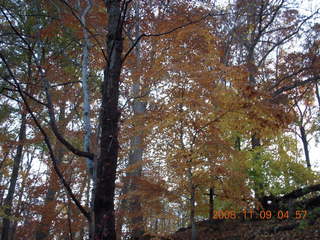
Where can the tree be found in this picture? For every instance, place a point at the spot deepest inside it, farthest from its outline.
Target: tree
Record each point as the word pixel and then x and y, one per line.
pixel 192 99
pixel 8 202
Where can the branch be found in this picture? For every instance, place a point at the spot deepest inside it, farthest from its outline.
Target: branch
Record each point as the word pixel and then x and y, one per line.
pixel 54 127
pixel 16 31
pixel 262 29
pixel 123 11
pixel 286 77
pixel 295 85
pixel 64 84
pixel 83 26
pixel 50 107
pixel 285 39
pixel 163 33
pixel 9 97
pixel 47 141
pixel 300 192
pixel 26 93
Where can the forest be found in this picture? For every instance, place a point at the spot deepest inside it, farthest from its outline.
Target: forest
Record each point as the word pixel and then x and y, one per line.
pixel 159 119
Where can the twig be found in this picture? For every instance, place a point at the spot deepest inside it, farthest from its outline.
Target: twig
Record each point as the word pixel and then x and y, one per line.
pixel 47 141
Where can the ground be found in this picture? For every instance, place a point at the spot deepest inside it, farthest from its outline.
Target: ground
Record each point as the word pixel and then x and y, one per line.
pixel 252 230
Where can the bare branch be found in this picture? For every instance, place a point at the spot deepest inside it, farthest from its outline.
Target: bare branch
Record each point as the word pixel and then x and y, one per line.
pixel 163 33
pixel 26 93
pixel 283 40
pixel 295 85
pixel 85 27
pixel 54 127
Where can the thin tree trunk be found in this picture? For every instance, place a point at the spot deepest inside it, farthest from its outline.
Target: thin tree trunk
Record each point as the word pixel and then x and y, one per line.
pixel 305 145
pixel 85 86
pixel 211 203
pixel 303 135
pixel 122 208
pixel 255 141
pixel 237 144
pixel 156 226
pixel 252 69
pixel 133 205
pixel 192 187
pixel 8 202
pixel 258 185
pixel 86 101
pixel 71 233
pixel 42 231
pixel 135 156
pixel 104 227
pixel 18 209
pixel 192 208
pixel 317 94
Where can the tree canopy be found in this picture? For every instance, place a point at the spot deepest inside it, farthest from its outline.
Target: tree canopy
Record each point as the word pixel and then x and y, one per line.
pixel 130 119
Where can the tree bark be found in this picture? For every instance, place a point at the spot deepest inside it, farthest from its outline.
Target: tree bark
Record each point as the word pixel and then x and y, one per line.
pixel 42 231
pixel 19 207
pixel 85 86
pixel 290 198
pixel 104 228
pixel 317 94
pixel 211 203
pixel 135 156
pixel 85 69
pixel 192 209
pixel 8 202
pixel 305 145
pixel 303 134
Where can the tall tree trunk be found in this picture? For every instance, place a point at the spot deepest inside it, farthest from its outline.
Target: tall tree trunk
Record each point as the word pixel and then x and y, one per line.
pixel 85 85
pixel 135 156
pixel 20 197
pixel 252 70
pixel 8 202
pixel 104 228
pixel 86 99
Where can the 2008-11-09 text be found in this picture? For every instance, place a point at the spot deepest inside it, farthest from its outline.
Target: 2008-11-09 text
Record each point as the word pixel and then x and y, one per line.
pixel 260 215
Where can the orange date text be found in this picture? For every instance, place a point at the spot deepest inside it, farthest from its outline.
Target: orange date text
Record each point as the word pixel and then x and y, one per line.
pixel 249 214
